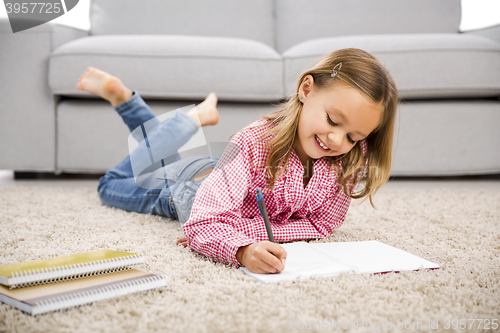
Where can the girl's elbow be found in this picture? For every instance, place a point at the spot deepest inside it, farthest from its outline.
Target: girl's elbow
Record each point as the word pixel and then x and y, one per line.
pixel 330 229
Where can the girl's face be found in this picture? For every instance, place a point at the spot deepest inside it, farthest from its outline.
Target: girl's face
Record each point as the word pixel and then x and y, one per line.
pixel 333 120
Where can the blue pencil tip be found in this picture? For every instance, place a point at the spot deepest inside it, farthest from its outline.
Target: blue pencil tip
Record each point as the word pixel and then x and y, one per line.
pixel 259 194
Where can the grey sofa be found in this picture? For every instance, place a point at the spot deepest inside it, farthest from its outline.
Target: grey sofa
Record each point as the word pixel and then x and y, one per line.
pixel 249 52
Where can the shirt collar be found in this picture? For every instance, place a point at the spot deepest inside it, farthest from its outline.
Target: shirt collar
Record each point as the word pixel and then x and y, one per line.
pixel 321 165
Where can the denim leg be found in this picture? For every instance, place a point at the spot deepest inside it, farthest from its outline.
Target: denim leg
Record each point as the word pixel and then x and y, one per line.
pixel 135 112
pixel 124 194
pixel 159 144
pixel 119 186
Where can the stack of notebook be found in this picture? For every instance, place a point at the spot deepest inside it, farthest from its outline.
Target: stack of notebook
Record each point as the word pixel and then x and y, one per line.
pixel 53 284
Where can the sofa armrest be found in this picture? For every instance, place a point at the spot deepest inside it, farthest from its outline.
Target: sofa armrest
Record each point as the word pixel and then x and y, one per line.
pixel 27 106
pixel 492 32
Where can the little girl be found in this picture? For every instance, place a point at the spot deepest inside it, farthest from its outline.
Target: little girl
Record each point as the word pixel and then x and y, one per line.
pixel 334 133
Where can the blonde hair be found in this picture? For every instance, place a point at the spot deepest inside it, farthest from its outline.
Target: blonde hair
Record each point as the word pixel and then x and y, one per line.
pixel 362 71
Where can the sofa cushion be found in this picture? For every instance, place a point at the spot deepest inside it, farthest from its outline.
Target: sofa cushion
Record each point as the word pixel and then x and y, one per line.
pixel 299 20
pixel 92 138
pixel 249 19
pixel 422 65
pixel 173 66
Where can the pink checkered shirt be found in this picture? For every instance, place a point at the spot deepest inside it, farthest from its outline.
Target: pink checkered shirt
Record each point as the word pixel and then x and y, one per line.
pixel 225 214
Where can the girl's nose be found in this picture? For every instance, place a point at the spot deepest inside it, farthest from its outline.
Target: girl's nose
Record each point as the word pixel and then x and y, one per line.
pixel 334 141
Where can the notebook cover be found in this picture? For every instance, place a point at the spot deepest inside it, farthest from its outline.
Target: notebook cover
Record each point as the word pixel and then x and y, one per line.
pixel 46 291
pixel 74 259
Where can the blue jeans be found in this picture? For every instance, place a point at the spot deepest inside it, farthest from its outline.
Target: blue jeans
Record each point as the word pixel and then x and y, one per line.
pixel 167 191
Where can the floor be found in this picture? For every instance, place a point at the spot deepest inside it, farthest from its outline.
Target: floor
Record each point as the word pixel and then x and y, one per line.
pixel 491 182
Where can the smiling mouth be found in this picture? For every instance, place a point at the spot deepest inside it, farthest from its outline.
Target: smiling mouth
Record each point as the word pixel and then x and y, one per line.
pixel 323 146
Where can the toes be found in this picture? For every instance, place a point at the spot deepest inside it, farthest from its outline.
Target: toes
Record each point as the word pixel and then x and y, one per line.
pixel 85 74
pixel 87 71
pixel 80 85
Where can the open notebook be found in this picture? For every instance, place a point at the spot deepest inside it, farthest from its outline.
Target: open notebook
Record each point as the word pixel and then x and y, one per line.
pixel 305 260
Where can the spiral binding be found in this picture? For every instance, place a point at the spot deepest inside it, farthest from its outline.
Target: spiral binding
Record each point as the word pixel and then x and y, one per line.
pixel 107 292
pixel 75 271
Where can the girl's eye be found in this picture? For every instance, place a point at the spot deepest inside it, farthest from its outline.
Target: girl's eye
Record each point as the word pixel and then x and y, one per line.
pixel 330 121
pixel 350 140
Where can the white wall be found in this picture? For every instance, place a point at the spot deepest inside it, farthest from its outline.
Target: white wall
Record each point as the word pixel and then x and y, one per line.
pixel 475 14
pixel 478 14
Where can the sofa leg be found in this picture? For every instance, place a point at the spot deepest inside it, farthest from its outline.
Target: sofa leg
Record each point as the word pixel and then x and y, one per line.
pixel 51 175
pixel 25 175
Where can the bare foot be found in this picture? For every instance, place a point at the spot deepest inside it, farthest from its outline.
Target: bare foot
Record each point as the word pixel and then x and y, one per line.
pixel 105 85
pixel 206 112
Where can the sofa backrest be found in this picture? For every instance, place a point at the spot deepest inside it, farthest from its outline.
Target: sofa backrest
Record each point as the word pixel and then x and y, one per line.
pixel 250 19
pixel 280 24
pixel 301 20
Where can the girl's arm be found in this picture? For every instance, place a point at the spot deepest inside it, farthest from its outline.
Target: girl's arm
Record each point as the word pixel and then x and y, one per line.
pixel 223 232
pixel 215 224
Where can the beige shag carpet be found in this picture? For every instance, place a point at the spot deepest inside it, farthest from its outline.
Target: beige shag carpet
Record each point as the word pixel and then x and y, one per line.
pixel 459 229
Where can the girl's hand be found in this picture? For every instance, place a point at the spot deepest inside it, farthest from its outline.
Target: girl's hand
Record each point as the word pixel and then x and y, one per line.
pixel 182 241
pixel 262 257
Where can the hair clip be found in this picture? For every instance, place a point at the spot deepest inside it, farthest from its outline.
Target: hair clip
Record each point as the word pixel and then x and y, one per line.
pixel 336 70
